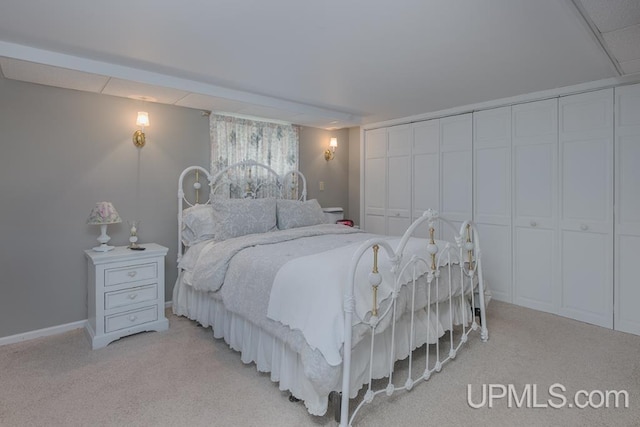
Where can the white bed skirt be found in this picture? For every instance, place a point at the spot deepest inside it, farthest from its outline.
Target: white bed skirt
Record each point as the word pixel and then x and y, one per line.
pixel 270 354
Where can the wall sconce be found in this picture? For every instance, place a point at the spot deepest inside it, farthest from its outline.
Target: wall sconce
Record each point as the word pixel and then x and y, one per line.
pixel 330 152
pixel 138 136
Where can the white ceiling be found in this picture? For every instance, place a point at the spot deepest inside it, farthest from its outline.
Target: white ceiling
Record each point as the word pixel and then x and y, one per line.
pixel 328 64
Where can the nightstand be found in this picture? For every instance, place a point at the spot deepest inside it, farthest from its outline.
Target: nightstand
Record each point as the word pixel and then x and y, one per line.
pixel 125 293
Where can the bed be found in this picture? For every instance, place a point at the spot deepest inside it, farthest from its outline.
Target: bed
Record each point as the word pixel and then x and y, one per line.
pixel 258 263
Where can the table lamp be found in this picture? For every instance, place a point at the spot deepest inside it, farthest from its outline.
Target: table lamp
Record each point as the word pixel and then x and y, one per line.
pixel 103 214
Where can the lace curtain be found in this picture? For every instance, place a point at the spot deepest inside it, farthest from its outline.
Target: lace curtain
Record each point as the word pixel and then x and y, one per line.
pixel 235 139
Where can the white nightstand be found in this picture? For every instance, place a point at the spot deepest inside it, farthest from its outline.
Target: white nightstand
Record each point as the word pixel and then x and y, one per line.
pixel 125 293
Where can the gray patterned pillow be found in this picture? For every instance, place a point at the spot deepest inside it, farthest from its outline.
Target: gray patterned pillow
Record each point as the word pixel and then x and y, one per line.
pixel 238 217
pixel 197 224
pixel 294 213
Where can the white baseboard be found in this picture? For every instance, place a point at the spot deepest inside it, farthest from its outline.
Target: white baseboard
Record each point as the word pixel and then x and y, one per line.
pixel 53 330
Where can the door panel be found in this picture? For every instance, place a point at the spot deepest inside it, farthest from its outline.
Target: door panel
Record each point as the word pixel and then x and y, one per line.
pixel 375 186
pixel 586 211
pixel 456 185
pixel 587 287
pixel 627 218
pixel 426 183
pixel 456 174
pixel 534 268
pixel 492 197
pixel 375 224
pixel 495 241
pixel 375 142
pixel 399 189
pixel 535 210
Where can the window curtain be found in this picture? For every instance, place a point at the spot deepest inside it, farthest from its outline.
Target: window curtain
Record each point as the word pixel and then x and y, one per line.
pixel 235 139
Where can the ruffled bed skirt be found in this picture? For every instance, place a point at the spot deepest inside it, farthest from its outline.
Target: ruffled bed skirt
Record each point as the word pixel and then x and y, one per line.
pixel 288 368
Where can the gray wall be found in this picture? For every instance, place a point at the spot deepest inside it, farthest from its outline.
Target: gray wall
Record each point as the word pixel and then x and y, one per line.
pixel 354 174
pixel 61 151
pixel 334 173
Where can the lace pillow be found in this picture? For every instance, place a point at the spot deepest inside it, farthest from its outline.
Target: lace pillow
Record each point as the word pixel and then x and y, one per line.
pixel 294 213
pixel 197 224
pixel 238 217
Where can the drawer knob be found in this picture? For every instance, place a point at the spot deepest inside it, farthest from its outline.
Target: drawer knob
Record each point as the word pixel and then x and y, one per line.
pixel 132 273
pixel 133 318
pixel 584 227
pixel 133 296
pixel 533 224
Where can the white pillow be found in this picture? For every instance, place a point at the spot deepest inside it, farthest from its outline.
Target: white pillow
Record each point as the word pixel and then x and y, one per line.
pixel 238 217
pixel 197 224
pixel 294 213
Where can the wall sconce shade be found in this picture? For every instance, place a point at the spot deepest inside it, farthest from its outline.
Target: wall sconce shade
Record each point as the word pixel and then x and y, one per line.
pixel 330 152
pixel 143 119
pixel 139 138
pixel 102 214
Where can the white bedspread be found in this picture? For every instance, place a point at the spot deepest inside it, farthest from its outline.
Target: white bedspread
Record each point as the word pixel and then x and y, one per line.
pixel 210 268
pixel 240 273
pixel 308 292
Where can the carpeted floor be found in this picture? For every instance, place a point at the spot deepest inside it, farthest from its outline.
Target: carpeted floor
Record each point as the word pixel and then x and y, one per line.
pixel 182 377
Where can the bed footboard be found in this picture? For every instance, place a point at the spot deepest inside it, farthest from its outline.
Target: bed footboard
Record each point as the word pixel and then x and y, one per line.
pixel 442 322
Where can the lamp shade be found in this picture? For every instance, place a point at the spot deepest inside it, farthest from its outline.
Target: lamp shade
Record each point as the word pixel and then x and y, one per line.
pixel 143 119
pixel 103 213
pixel 333 142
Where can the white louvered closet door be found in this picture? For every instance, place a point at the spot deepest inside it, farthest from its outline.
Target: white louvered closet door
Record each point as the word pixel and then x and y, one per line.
pixel 375 180
pixel 627 216
pixel 586 208
pixel 535 200
pixel 398 211
pixel 426 169
pixel 456 176
pixel 492 201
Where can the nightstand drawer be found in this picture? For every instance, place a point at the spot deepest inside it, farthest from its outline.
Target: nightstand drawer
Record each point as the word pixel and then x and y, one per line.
pixel 130 296
pixel 117 276
pixel 130 318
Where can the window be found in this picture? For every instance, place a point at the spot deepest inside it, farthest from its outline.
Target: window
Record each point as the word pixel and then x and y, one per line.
pixel 235 139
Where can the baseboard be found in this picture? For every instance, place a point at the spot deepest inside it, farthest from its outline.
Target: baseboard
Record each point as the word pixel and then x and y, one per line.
pixel 53 330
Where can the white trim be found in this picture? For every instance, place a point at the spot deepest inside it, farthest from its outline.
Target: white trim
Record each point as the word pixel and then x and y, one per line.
pixel 39 333
pixel 56 59
pixel 53 330
pixel 505 102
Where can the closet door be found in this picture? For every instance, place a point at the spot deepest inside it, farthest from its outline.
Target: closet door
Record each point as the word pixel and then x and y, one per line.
pixel 586 208
pixel 375 180
pixel 398 212
pixel 492 200
pixel 535 211
pixel 627 215
pixel 456 187
pixel 426 169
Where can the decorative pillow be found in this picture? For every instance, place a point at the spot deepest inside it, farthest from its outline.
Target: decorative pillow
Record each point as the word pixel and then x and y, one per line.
pixel 238 217
pixel 197 224
pixel 294 213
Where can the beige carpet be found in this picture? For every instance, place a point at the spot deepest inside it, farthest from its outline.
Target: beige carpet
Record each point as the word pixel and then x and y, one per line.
pixel 182 377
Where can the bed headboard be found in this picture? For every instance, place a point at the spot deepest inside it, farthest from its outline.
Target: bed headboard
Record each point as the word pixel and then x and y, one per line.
pixel 246 179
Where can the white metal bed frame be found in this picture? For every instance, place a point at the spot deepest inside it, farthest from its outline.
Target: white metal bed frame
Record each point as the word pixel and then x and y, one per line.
pixel 291 185
pixel 463 254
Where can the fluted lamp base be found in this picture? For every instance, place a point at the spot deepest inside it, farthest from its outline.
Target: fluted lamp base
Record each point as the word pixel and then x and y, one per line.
pixel 103 238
